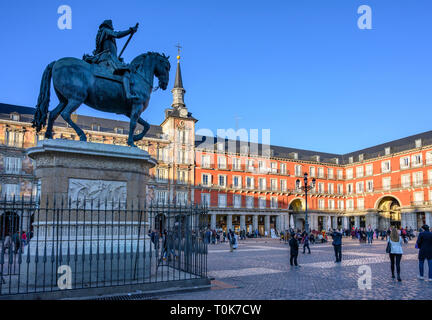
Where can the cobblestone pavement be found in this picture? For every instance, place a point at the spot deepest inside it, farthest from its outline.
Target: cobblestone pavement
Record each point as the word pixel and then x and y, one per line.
pixel 259 269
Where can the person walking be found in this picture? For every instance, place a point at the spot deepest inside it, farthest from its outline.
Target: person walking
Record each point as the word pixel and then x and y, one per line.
pixel 394 248
pixel 337 245
pixel 231 240
pixel 294 246
pixel 369 233
pixel 424 243
pixel 306 243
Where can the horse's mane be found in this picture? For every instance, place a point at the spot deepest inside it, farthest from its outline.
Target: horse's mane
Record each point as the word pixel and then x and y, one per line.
pixel 137 61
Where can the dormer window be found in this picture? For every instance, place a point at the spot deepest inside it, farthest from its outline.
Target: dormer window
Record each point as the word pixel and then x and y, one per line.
pixel 351 159
pixel 15 116
pixel 387 151
pixel 418 143
pixel 119 130
pixel 220 146
pixel 361 157
pixel 95 127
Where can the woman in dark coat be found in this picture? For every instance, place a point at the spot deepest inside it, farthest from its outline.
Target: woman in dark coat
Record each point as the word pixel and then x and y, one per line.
pixel 424 243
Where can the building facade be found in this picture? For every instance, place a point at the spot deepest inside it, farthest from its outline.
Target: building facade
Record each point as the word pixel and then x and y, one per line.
pixel 247 186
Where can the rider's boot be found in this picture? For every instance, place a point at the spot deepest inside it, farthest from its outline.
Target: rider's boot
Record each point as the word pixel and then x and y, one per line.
pixel 126 85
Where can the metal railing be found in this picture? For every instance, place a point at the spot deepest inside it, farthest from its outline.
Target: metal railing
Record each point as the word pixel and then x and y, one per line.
pixel 58 245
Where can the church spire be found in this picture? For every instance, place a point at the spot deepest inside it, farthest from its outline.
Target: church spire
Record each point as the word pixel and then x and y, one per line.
pixel 178 91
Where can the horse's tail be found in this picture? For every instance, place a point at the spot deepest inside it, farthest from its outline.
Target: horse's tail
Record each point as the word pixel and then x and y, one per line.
pixel 41 113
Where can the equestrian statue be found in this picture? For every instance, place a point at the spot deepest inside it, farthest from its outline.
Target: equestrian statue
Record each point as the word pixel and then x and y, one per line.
pixel 103 82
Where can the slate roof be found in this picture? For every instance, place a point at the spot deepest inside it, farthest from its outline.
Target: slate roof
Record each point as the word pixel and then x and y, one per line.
pixel 84 122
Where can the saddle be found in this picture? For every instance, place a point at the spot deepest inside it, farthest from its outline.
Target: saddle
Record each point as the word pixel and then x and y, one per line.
pixel 105 67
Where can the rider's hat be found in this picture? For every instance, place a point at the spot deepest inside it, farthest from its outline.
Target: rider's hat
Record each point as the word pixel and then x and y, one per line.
pixel 107 24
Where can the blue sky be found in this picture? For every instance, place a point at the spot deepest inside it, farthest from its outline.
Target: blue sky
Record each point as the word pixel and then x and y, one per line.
pixel 301 68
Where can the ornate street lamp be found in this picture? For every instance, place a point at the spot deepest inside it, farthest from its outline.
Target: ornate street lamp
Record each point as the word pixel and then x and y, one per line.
pixel 306 188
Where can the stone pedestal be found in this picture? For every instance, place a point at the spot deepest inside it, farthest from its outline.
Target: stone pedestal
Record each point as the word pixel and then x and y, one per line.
pixel 94 192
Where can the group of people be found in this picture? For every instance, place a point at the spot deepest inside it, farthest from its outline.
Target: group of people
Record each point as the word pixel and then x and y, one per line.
pixel 18 240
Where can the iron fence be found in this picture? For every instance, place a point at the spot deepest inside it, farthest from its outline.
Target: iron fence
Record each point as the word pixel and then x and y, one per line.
pixel 66 245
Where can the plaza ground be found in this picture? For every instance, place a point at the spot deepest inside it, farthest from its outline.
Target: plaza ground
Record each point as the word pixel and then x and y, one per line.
pixel 259 269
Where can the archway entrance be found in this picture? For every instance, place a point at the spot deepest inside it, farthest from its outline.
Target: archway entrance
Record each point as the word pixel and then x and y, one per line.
pixel 390 213
pixel 160 221
pixel 296 206
pixel 9 224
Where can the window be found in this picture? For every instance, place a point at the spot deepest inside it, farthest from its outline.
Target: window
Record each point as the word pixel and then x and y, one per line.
pixel 385 166
pixel 181 198
pixel 182 136
pixel 222 200
pixel 250 165
pixel 359 172
pixel 417 178
pixel 222 180
pixel 206 179
pixel 205 199
pixel 273 184
pixel 261 166
pixel 330 188
pixel 330 173
pixel 11 191
pixel 340 188
pixel 369 186
pixel 349 188
pixel 205 161
pixel 331 204
pixel 340 204
pixel 386 183
pixel 182 176
pixel 237 201
pixel 418 198
pixel 418 143
pixel 321 204
pixel 430 177
pixel 369 170
pixel 249 202
pixel 312 172
pixel 416 160
pixel 349 173
pixel 95 127
pixel 283 169
pixel 118 130
pixel 221 147
pixel 350 159
pixel 320 172
pixel 162 197
pixel 262 203
pixel 14 138
pixel 361 157
pixel 182 156
pixel 405 180
pixel 283 184
pixel 250 183
pixel 273 166
pixel 274 202
pixel 221 162
pixel 12 165
pixel 320 187
pixel 162 154
pixel 298 170
pixel 429 157
pixel 350 204
pixel 404 162
pixel 340 174
pixel 360 204
pixel 15 116
pixel 262 183
pixel 360 187
pixel 236 164
pixel 161 175
pixel 237 182
pixel 387 151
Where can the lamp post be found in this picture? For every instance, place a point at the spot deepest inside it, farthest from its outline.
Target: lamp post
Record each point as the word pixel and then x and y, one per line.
pixel 306 188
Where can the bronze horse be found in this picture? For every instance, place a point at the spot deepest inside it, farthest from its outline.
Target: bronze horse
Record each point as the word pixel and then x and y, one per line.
pixel 76 82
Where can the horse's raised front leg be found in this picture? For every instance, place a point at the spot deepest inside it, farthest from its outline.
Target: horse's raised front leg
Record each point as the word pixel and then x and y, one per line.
pixel 136 112
pixel 66 115
pixel 146 128
pixel 52 117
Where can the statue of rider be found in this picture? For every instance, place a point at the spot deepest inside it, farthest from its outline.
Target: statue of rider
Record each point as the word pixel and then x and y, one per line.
pixel 106 51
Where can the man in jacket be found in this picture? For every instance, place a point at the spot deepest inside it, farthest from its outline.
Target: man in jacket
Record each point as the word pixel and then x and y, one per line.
pixel 424 243
pixel 306 243
pixel 337 245
pixel 294 246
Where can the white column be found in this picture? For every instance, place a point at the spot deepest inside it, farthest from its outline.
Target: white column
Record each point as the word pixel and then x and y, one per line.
pixel 242 222
pixel 428 218
pixel 357 222
pixel 267 224
pixel 229 222
pixel 334 223
pixel 213 221
pixel 278 223
pixel 255 222
pixel 345 222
